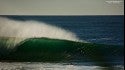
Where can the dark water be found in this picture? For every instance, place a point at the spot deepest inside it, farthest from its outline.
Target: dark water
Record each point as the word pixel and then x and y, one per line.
pixel 95 29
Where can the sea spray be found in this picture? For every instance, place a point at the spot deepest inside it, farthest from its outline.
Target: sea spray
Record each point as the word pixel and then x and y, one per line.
pixel 13 31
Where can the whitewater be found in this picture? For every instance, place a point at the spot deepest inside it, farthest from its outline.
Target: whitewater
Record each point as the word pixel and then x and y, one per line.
pixel 52 66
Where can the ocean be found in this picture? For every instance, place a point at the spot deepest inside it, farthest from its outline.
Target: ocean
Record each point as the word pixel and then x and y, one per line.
pixel 61 42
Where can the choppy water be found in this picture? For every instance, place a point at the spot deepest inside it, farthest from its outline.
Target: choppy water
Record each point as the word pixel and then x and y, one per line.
pixel 52 66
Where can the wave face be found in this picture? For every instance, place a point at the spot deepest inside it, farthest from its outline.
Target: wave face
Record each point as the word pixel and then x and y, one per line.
pixel 17 31
pixel 46 49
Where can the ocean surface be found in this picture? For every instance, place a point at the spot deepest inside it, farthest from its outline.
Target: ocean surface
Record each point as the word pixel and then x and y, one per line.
pixel 61 42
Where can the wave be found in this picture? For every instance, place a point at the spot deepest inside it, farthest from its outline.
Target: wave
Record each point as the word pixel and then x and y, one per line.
pixel 38 41
pixel 47 49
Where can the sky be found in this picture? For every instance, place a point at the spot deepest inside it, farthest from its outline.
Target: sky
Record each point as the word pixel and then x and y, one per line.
pixel 61 7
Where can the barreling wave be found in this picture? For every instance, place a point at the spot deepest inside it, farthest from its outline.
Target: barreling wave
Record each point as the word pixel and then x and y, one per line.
pixel 47 49
pixel 37 41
